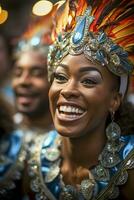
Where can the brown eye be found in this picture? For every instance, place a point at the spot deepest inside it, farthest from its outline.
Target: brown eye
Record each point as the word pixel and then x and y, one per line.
pixel 89 82
pixel 60 78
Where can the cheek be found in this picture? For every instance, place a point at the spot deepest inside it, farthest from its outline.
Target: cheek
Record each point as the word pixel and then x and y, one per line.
pixel 41 84
pixel 53 97
pixel 98 99
pixel 14 83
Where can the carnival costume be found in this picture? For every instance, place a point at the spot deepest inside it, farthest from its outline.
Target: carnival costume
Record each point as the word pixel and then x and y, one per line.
pixel 14 145
pixel 13 152
pixel 104 32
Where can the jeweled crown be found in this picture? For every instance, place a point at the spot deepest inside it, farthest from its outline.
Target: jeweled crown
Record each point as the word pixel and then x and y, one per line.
pixel 97 47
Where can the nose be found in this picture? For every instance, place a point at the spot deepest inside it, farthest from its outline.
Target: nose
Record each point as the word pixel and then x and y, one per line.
pixel 25 79
pixel 70 90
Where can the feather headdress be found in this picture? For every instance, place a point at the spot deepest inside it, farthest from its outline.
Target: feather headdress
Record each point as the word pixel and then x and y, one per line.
pixel 101 29
pixel 36 36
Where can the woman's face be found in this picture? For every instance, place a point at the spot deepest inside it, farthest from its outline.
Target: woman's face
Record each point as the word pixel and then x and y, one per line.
pixel 81 96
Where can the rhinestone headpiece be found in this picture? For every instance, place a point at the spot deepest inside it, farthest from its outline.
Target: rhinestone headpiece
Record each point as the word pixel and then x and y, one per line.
pixel 96 46
pixel 36 37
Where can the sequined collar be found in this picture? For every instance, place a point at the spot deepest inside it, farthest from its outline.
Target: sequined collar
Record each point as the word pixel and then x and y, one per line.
pixel 45 172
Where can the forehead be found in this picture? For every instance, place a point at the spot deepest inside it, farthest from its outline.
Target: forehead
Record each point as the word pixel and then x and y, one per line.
pixel 75 63
pixel 31 58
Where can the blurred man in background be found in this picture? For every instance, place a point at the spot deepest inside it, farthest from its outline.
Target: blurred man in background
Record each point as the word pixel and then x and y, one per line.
pixel 30 83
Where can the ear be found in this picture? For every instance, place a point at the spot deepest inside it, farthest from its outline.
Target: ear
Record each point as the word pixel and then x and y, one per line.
pixel 115 101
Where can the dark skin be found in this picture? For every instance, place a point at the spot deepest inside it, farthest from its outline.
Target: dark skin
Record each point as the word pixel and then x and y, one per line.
pixel 31 87
pixel 91 90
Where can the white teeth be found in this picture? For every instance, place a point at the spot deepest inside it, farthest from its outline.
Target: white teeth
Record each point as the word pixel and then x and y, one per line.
pixel 70 109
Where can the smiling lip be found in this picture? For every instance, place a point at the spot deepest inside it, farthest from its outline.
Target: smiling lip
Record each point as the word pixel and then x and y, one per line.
pixel 25 100
pixel 69 113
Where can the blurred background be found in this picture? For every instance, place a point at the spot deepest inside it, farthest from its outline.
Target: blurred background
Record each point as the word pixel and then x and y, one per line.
pixel 15 15
pixel 20 20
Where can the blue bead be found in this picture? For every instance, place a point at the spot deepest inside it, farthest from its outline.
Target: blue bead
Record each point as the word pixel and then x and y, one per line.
pixel 123 54
pixel 126 65
pixel 102 37
pixel 79 31
pixel 100 56
pixel 114 47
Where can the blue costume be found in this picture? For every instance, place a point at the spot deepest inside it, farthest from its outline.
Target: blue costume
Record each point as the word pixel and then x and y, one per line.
pixel 44 169
pixel 12 156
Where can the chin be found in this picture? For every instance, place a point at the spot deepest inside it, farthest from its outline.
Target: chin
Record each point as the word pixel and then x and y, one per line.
pixel 67 132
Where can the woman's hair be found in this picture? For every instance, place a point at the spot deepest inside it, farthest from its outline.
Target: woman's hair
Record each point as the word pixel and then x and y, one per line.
pixel 124 117
pixel 6 122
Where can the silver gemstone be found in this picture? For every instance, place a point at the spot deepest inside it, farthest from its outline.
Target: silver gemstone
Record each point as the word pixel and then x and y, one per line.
pixel 115 59
pixel 93 44
pixel 35 185
pixel 113 131
pixel 109 160
pixel 112 147
pixel 66 196
pixel 101 174
pixel 122 178
pixel 77 50
pixel 32 170
pixel 52 154
pixel 107 47
pixel 68 193
pixel 87 188
pixel 52 174
pixel 130 164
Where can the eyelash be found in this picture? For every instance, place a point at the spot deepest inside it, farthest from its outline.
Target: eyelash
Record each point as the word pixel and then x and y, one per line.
pixel 89 82
pixel 60 78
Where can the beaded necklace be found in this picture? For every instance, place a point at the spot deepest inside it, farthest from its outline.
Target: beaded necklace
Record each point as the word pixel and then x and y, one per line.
pixel 104 181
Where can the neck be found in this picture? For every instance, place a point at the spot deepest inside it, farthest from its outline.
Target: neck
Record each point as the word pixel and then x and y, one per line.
pixel 83 151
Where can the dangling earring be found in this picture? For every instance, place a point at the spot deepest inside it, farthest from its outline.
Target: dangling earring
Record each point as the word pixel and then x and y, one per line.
pixel 113 132
pixel 109 157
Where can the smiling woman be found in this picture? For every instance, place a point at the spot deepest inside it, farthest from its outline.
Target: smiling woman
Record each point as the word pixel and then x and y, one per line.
pixel 89 156
pixel 81 89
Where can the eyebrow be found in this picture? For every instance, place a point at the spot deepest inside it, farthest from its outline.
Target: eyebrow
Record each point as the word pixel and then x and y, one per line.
pixel 83 69
pixel 31 66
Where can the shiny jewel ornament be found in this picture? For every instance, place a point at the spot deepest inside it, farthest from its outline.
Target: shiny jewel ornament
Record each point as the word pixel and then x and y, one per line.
pixel 100 173
pixel 87 188
pixel 113 132
pixel 68 193
pixel 52 154
pixel 52 174
pixel 35 185
pixel 130 164
pixel 81 30
pixel 123 178
pixel 96 46
pixel 109 160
